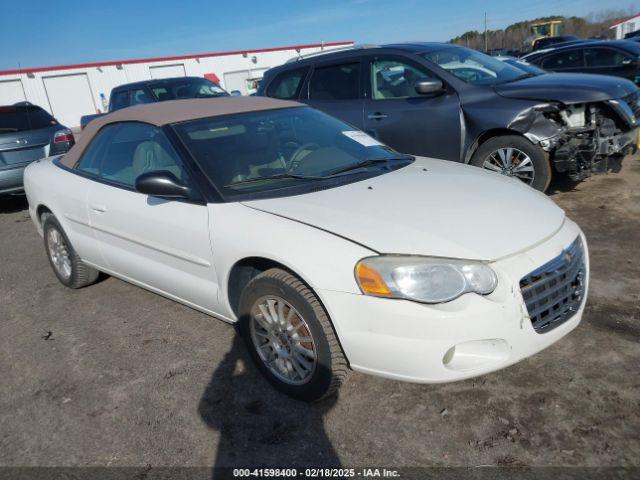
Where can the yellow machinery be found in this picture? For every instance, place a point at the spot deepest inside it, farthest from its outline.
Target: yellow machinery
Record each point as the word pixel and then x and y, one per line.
pixel 550 28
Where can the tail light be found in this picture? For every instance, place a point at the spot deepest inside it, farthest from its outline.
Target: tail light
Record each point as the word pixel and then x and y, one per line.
pixel 63 136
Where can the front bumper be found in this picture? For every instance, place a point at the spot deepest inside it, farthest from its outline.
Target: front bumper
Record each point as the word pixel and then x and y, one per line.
pixel 580 156
pixel 11 180
pixel 467 337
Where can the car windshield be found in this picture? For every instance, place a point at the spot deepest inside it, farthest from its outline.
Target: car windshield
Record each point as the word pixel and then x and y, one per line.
pixel 18 118
pixel 258 152
pixel 474 67
pixel 524 66
pixel 187 88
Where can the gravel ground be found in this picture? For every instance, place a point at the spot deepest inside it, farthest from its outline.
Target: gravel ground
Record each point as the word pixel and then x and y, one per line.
pixel 115 375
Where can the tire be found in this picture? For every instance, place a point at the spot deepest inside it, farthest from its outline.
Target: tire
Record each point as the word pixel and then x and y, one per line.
pixel 308 320
pixel 78 274
pixel 541 167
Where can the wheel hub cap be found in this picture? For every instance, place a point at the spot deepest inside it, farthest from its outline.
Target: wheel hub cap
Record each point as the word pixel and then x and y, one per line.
pixel 511 162
pixel 283 340
pixel 59 253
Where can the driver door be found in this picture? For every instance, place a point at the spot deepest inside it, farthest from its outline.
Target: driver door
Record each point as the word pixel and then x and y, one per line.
pixel 159 243
pixel 394 113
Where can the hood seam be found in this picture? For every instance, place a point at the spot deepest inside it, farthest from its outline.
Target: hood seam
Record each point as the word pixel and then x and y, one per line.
pixel 313 226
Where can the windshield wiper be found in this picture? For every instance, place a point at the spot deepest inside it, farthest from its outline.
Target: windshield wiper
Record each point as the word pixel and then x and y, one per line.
pixel 331 174
pixel 273 177
pixel 366 163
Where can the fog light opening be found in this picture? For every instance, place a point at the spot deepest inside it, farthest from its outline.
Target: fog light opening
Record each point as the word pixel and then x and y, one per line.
pixel 477 355
pixel 449 355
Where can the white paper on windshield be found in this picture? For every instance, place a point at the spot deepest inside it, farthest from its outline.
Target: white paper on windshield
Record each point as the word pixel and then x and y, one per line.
pixel 362 138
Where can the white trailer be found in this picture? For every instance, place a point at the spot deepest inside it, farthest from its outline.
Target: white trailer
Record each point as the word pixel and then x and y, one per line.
pixel 70 91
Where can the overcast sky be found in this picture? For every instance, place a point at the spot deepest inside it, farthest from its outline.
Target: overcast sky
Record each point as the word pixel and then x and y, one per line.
pixel 40 33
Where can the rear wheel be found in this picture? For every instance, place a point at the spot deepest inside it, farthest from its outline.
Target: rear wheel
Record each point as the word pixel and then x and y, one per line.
pixel 516 157
pixel 290 336
pixel 67 265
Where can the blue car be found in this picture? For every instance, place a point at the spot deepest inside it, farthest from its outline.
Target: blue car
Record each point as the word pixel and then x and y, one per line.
pixel 27 133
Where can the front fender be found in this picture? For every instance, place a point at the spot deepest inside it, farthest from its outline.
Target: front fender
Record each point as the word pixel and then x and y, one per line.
pixel 321 259
pixel 534 125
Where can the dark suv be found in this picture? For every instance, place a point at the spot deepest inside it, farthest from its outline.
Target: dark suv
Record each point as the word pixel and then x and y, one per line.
pixel 450 102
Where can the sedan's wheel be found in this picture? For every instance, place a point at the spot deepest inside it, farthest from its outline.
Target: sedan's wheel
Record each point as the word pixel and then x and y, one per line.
pixel 290 336
pixel 67 265
pixel 516 157
pixel 512 162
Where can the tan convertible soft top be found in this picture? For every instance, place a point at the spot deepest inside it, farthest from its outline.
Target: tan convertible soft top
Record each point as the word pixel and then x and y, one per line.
pixel 173 111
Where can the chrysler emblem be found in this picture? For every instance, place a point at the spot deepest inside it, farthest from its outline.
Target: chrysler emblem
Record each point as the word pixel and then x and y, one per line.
pixel 567 258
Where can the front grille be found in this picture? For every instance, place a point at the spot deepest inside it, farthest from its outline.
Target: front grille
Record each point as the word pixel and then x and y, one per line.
pixel 553 292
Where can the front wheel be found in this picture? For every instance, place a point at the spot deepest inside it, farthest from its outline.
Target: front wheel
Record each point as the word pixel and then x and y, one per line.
pixel 516 157
pixel 290 336
pixel 67 265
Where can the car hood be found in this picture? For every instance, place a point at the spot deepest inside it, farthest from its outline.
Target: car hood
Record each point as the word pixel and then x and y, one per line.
pixel 568 88
pixel 430 207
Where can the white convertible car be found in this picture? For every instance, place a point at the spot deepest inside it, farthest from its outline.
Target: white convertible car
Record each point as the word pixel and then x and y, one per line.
pixel 329 250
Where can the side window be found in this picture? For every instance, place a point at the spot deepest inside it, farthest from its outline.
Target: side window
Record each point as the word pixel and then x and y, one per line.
pixel 119 100
pixel 604 57
pixel 394 79
pixel 126 150
pixel 161 93
pixel 337 82
pixel 92 156
pixel 140 96
pixel 286 85
pixel 572 58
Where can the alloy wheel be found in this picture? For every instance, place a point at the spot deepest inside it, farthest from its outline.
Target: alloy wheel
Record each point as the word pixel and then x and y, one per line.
pixel 283 340
pixel 59 253
pixel 511 162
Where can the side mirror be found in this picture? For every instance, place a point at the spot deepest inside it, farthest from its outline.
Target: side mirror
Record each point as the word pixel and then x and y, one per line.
pixel 425 86
pixel 161 183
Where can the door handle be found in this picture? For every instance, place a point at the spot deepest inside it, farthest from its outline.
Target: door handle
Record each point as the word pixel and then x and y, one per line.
pixel 98 208
pixel 377 116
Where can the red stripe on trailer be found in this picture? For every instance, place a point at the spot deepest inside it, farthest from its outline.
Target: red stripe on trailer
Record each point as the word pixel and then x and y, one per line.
pixel 164 59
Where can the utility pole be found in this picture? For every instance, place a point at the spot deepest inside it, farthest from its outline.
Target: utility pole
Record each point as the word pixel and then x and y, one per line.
pixel 486 45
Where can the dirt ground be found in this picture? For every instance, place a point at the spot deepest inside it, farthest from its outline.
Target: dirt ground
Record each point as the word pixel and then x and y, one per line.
pixel 115 375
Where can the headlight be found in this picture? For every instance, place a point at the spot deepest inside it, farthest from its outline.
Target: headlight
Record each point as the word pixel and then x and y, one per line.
pixel 423 279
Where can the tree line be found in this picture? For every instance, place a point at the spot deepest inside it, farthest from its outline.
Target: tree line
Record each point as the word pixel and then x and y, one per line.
pixel 518 36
